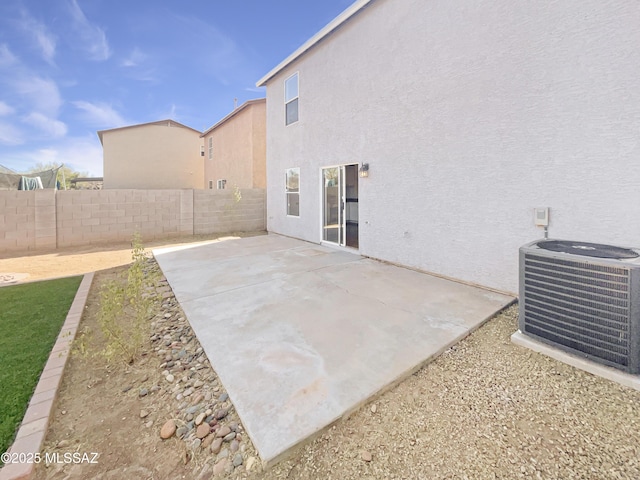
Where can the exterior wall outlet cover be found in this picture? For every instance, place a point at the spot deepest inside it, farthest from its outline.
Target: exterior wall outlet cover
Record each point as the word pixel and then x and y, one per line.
pixel 541 216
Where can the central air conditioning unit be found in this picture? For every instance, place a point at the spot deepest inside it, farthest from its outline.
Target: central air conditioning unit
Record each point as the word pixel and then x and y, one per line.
pixel 583 298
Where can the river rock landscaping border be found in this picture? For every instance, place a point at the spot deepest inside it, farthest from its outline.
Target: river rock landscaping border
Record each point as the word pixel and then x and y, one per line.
pixel 203 416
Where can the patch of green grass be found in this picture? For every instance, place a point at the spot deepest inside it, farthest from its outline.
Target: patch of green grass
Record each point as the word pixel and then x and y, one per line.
pixel 31 316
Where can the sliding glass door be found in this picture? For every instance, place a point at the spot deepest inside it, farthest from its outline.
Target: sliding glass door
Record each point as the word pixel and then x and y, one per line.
pixel 340 205
pixel 332 214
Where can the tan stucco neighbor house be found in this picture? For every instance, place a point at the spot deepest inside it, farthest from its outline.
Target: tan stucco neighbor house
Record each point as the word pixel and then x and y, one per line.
pixel 156 155
pixel 235 148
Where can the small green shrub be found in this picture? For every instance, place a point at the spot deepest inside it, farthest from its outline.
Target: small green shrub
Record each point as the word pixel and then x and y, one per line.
pixel 127 305
pixel 237 194
pixel 230 208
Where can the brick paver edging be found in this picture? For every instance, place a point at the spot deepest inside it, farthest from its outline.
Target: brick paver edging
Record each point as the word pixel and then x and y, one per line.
pixel 36 419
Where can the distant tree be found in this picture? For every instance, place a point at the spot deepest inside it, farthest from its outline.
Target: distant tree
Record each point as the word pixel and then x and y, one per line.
pixel 65 174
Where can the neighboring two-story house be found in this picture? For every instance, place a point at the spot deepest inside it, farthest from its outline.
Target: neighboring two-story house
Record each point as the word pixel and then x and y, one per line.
pixel 155 155
pixel 168 154
pixel 235 148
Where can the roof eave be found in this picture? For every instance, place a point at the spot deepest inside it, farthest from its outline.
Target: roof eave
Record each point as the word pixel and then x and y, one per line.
pixel 227 117
pixel 157 122
pixel 309 44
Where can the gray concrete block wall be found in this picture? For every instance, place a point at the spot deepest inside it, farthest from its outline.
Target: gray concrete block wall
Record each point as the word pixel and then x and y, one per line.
pixel 27 220
pixel 46 219
pixel 186 212
pixel 17 220
pixel 93 217
pixel 218 211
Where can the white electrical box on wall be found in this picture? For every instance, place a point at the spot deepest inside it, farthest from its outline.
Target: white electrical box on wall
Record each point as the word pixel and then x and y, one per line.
pixel 541 216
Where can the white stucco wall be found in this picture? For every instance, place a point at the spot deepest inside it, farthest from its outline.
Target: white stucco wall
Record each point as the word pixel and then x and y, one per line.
pixel 470 114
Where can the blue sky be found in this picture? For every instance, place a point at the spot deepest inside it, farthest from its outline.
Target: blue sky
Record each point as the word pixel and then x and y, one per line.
pixel 71 67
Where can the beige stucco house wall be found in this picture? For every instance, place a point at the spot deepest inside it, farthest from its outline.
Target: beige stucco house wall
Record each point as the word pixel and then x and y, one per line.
pixel 235 148
pixel 163 154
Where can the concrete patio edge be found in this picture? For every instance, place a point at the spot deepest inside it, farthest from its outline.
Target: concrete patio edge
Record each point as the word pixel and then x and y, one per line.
pixel 34 425
pixel 384 389
pixel 626 379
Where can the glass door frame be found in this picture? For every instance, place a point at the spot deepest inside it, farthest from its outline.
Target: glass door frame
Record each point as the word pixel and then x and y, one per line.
pixel 324 214
pixel 342 185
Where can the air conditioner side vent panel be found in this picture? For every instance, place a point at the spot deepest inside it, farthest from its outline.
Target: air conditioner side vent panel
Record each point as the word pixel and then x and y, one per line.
pixel 587 306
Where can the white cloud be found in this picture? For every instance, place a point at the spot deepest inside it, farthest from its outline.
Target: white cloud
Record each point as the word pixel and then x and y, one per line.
pixel 169 112
pixel 149 75
pixel 10 135
pixel 135 58
pixel 42 93
pixel 139 67
pixel 50 126
pixel 47 45
pixel 5 109
pixel 7 58
pixel 93 38
pixel 83 154
pixel 100 114
pixel 46 42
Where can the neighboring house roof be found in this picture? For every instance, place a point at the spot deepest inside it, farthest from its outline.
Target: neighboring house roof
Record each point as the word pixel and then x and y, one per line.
pixel 168 122
pixel 309 44
pixel 86 179
pixel 232 114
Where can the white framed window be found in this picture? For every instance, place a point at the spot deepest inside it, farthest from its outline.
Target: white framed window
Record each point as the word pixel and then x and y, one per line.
pixel 210 148
pixel 292 187
pixel 221 184
pixel 291 99
pixel 210 184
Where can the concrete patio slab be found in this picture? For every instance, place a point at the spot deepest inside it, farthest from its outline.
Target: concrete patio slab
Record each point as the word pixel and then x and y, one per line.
pixel 301 334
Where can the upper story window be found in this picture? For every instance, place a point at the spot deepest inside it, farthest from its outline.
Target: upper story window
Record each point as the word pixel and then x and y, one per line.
pixel 291 99
pixel 222 184
pixel 210 148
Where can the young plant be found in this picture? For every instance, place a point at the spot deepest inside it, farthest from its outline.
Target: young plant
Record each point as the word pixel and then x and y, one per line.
pixel 127 305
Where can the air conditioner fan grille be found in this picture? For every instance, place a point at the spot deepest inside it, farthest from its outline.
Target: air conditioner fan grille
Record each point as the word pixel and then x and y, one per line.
pixel 579 305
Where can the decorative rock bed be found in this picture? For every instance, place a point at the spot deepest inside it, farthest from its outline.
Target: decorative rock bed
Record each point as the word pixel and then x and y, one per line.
pixel 203 416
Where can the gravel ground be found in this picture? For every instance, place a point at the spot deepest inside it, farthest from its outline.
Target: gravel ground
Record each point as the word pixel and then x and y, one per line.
pixel 202 414
pixel 485 409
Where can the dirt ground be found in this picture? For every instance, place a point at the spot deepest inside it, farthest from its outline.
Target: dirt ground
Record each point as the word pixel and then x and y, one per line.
pixel 78 260
pixel 94 414
pixel 484 409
